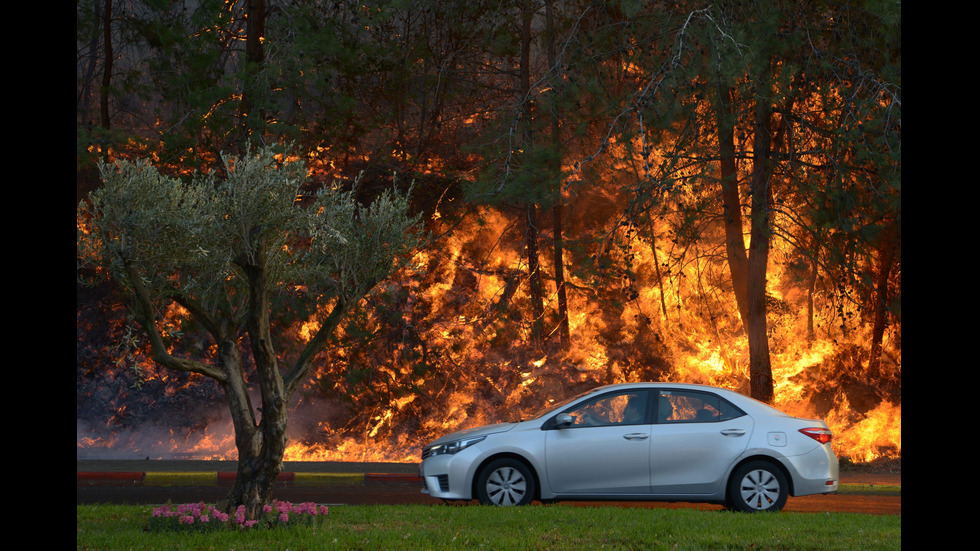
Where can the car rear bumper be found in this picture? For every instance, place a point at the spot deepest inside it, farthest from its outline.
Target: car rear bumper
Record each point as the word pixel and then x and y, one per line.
pixel 817 472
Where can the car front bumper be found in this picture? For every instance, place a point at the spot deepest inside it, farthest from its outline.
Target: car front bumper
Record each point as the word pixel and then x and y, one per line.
pixel 447 476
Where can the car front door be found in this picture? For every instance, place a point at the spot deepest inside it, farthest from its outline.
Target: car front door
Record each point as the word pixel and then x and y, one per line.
pixel 604 449
pixel 696 438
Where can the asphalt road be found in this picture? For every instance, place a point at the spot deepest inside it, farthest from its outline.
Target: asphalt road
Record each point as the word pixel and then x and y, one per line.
pixel 861 492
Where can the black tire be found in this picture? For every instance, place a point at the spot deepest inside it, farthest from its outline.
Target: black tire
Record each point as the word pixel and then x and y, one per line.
pixel 757 486
pixel 505 482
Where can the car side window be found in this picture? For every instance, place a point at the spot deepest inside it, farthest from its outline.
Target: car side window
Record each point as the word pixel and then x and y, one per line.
pixel 680 406
pixel 611 409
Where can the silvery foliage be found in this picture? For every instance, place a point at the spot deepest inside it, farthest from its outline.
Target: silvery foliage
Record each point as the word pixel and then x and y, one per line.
pixel 190 238
pixel 353 247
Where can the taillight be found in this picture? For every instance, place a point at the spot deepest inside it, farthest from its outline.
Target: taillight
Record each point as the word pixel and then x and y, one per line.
pixel 819 434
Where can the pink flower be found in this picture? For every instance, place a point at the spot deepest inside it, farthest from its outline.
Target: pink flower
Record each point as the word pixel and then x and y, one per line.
pixel 308 507
pixel 201 513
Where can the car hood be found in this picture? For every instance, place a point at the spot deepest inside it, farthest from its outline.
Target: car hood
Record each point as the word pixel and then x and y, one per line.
pixel 476 431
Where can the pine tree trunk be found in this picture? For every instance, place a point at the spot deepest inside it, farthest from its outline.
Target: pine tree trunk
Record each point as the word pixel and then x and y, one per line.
pixel 886 251
pixel 734 240
pixel 531 217
pixel 748 268
pixel 564 337
pixel 107 67
pixel 811 288
pixel 760 368
pixel 254 58
pixel 534 277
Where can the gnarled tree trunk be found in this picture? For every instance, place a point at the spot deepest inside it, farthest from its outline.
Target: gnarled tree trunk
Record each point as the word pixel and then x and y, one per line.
pixel 260 453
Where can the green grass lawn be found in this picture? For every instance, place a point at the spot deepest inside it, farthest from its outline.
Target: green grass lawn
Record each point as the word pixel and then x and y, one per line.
pixel 558 527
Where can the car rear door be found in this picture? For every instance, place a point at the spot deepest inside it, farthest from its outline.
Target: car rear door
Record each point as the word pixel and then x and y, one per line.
pixel 696 438
pixel 604 451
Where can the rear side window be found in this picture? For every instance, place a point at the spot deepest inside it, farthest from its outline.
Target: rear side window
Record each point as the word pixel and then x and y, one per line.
pixel 691 406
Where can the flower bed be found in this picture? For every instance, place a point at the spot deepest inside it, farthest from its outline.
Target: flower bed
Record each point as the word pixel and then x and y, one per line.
pixel 201 516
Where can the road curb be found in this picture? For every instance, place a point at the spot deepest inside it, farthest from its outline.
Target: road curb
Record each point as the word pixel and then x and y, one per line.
pixel 180 479
pixel 212 478
pixel 328 479
pixel 121 478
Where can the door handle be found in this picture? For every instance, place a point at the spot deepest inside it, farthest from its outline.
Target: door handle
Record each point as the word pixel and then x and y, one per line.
pixel 733 432
pixel 636 436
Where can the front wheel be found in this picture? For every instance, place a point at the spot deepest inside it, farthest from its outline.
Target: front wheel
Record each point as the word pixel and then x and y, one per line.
pixel 757 486
pixel 505 482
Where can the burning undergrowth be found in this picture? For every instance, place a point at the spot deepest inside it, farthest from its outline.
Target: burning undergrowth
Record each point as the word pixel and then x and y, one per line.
pixel 449 346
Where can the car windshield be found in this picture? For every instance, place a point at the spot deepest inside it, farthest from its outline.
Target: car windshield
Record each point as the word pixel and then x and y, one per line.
pixel 556 406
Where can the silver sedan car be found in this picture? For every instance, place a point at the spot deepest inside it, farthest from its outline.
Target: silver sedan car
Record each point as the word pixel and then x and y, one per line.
pixel 639 441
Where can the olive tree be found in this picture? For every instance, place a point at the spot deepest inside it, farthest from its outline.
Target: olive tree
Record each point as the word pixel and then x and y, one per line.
pixel 234 252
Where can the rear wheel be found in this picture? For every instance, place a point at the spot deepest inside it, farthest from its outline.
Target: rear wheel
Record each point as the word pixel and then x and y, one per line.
pixel 757 486
pixel 505 482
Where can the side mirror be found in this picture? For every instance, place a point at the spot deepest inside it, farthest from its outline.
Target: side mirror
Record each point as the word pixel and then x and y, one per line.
pixel 563 420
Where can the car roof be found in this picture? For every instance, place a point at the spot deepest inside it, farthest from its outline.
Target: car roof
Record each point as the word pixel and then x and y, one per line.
pixel 661 384
pixel 736 397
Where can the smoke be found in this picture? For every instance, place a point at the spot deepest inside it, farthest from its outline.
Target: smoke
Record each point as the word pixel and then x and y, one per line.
pixel 154 441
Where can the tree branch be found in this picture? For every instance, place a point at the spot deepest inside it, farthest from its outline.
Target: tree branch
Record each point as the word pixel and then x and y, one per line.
pixel 146 319
pixel 301 368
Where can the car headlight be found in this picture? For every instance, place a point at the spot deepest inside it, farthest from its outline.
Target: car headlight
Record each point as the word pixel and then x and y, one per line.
pixel 455 446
